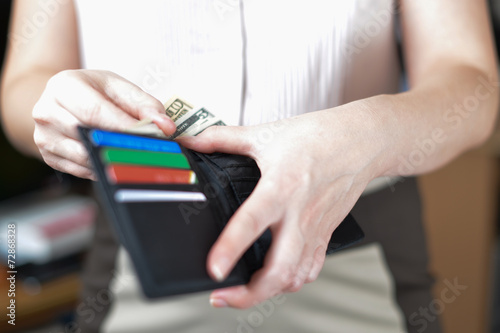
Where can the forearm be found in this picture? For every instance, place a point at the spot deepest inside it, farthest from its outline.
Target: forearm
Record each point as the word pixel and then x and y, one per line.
pixel 423 129
pixel 29 65
pixel 18 96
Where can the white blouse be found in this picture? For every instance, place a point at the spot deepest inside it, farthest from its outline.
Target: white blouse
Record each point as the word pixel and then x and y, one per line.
pixel 248 61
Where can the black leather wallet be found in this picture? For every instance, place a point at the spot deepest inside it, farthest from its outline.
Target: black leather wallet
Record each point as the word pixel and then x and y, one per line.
pixel 169 227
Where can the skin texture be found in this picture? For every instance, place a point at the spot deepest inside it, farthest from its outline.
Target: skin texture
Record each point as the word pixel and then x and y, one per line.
pixel 450 61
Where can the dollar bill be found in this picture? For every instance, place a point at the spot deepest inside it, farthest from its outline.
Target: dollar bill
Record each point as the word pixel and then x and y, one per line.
pixel 193 122
pixel 188 120
pixel 177 107
pixel 214 122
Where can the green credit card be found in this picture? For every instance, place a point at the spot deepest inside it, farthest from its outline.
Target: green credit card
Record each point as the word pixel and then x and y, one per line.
pixel 148 158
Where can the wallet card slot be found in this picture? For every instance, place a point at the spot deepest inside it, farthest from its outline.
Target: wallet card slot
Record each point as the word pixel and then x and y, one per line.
pixel 121 140
pixel 155 187
pixel 145 158
pixel 139 195
pixel 132 174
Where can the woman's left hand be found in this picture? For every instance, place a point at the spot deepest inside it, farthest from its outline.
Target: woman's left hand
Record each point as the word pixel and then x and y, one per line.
pixel 314 168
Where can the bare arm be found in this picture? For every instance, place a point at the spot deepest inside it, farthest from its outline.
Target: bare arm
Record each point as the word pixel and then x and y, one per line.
pixel 452 70
pixel 451 107
pixel 31 60
pixel 45 96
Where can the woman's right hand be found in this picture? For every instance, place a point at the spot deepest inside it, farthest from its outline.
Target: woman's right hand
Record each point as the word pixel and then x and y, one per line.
pixel 92 98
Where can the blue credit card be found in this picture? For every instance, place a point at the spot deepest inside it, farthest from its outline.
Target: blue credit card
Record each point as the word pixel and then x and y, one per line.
pixel 121 140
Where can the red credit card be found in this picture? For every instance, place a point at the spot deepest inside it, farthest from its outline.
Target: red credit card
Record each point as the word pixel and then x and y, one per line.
pixel 131 174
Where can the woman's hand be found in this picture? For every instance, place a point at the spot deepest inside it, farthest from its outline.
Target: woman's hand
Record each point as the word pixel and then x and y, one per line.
pixel 93 98
pixel 314 168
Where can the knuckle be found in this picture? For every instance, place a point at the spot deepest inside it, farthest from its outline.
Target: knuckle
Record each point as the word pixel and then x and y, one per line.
pixel 41 140
pixel 311 278
pixel 53 82
pixel 92 113
pixel 252 222
pixel 60 79
pixel 297 285
pixel 285 278
pixel 319 262
pixel 82 159
pixel 51 161
pixel 149 102
pixel 314 274
pixel 60 165
pixel 40 114
pixel 87 162
pixel 86 173
pixel 303 270
pixel 211 134
pixel 316 268
pixel 247 146
pixel 295 179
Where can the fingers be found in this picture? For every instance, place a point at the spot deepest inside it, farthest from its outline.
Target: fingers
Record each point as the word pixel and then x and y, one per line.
pixel 63 153
pixel 92 98
pixel 105 101
pixel 302 272
pixel 53 120
pixel 67 165
pixel 128 96
pixel 296 256
pixel 224 139
pixel 87 105
pixel 137 102
pixel 282 272
pixel 317 265
pixel 255 215
pixel 277 275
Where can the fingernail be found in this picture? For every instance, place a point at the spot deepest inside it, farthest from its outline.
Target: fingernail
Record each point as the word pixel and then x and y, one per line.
pixel 158 118
pixel 218 303
pixel 217 273
pixel 219 268
pixel 297 283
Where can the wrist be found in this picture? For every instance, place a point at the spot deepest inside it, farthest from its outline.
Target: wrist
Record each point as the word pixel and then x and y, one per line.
pixel 379 132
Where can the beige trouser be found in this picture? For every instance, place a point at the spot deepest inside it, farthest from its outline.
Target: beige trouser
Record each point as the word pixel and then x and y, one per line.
pixel 353 293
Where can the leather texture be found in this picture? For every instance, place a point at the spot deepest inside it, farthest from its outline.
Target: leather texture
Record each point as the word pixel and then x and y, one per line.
pixel 233 178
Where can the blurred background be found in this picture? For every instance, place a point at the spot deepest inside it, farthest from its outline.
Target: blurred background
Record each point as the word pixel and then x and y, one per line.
pixel 460 204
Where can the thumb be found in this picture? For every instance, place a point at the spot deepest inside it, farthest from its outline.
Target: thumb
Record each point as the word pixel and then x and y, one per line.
pixel 223 139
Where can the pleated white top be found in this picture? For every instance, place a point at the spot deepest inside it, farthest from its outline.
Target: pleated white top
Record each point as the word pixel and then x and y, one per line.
pixel 247 61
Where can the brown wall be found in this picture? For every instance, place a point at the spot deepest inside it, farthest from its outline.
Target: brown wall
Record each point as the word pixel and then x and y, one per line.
pixel 460 207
